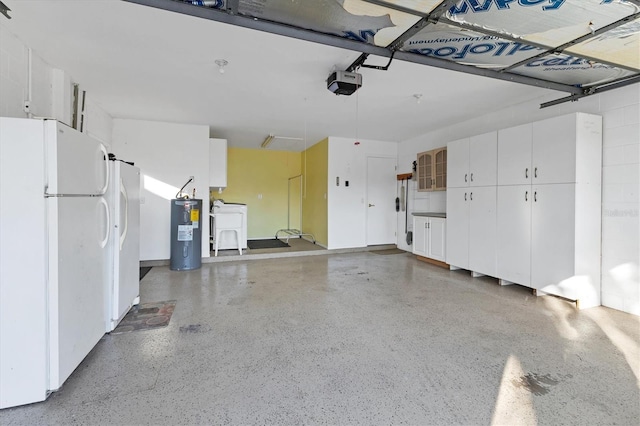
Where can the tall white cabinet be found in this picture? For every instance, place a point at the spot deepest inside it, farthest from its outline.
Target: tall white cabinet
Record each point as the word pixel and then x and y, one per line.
pixel 549 206
pixel 471 204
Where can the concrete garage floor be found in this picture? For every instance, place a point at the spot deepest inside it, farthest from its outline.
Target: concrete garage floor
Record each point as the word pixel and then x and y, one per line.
pixel 360 338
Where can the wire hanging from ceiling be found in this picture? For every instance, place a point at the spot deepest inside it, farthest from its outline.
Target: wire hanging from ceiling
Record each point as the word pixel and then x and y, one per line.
pixel 357 142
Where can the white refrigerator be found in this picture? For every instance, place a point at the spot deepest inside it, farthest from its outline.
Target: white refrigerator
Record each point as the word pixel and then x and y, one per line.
pixel 123 254
pixel 54 228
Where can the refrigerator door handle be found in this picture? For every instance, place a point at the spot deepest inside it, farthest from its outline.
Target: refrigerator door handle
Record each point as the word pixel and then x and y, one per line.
pixel 123 236
pixel 103 190
pixel 104 242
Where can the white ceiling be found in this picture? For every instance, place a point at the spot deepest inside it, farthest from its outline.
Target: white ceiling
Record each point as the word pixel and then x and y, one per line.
pixel 144 63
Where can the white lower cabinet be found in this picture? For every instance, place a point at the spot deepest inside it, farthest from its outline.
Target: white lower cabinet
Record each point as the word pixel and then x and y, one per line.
pixel 471 237
pixel 429 237
pixel 548 239
pixel 437 238
pixel 514 233
pixel 553 237
pixel 420 235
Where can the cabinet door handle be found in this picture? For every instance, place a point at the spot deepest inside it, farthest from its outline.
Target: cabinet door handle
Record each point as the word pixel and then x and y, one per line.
pixel 465 177
pixel 465 196
pixel 471 177
pixel 471 196
pixel 535 172
pixel 535 196
pixel 526 173
pixel 526 195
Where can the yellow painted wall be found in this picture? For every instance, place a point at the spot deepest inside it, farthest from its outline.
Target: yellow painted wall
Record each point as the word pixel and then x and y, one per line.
pixel 315 162
pixel 251 172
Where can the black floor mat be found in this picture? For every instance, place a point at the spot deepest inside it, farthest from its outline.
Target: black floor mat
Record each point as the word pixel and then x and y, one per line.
pixel 144 270
pixel 263 244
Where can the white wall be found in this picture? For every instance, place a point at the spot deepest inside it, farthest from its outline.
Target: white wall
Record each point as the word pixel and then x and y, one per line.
pixel 167 154
pixel 347 213
pixel 14 81
pixel 435 201
pixel 14 88
pixel 620 110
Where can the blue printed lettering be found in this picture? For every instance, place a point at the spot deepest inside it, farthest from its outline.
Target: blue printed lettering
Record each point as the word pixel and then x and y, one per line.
pixel 364 36
pixel 463 52
pixel 555 5
pixel 554 62
pixel 519 47
pixel 476 6
pixel 502 47
pixel 444 51
pixel 482 48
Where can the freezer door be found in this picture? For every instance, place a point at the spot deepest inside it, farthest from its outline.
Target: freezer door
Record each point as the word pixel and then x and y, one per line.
pixel 78 236
pixel 76 164
pixel 125 245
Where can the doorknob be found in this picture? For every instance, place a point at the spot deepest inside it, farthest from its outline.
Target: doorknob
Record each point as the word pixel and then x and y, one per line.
pixel 372 205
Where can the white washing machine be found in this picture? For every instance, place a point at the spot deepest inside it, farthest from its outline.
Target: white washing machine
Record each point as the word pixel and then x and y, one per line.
pixel 228 239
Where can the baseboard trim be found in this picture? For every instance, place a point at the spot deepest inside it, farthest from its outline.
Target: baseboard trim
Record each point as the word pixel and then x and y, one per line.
pixel 432 261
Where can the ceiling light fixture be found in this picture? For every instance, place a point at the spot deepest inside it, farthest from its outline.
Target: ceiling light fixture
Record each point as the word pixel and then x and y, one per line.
pixel 267 141
pixel 271 137
pixel 221 63
pixel 418 96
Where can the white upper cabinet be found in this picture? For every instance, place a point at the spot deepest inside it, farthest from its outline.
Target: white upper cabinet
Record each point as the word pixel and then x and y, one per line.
pixel 458 163
pixel 483 159
pixel 554 150
pixel 472 161
pixel 217 163
pixel 514 155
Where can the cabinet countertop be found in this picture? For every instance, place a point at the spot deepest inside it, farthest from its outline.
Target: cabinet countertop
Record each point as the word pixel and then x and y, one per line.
pixel 430 214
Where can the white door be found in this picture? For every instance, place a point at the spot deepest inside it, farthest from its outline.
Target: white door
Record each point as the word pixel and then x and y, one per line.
pixel 457 246
pixel 554 150
pixel 483 159
pixel 381 194
pixel 82 162
pixel 78 234
pixel 482 230
pixel 126 244
pixel 553 235
pixel 420 235
pixel 514 233
pixel 437 233
pixel 514 155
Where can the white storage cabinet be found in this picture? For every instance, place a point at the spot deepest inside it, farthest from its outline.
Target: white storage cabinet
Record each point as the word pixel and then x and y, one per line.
pixel 218 163
pixel 548 207
pixel 471 204
pixel 429 237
